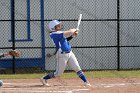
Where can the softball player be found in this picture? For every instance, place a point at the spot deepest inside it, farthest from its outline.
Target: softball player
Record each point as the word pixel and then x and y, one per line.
pixel 10 53
pixel 64 52
pixel 2 55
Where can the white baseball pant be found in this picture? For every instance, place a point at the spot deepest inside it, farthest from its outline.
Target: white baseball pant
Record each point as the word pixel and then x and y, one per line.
pixel 63 60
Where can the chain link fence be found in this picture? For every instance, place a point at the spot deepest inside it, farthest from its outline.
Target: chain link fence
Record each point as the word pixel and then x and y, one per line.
pixel 108 38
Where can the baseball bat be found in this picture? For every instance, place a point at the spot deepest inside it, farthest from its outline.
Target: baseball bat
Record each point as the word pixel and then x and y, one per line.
pixel 79 21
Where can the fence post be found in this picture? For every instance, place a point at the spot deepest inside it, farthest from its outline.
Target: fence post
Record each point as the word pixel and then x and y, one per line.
pixel 42 32
pixel 13 31
pixel 118 35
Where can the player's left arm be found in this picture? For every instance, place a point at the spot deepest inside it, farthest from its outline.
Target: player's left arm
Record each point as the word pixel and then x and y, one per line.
pixel 69 38
pixel 15 53
pixel 4 54
pixel 1 55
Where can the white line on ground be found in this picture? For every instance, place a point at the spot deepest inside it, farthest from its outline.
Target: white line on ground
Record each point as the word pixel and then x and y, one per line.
pixel 32 91
pixel 30 84
pixel 67 89
pixel 40 91
pixel 75 90
pixel 25 87
pixel 73 86
pixel 21 83
pixel 117 84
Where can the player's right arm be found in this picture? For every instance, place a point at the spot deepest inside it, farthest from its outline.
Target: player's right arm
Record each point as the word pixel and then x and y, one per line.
pixel 71 32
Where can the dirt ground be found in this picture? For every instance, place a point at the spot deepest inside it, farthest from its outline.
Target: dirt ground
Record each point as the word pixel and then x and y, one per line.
pixel 73 85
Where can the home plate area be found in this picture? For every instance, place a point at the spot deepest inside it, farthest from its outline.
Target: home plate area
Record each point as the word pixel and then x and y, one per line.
pixel 114 85
pixel 35 86
pixel 41 89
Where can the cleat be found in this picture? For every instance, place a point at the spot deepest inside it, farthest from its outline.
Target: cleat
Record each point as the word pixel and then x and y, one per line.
pixel 87 84
pixel 44 82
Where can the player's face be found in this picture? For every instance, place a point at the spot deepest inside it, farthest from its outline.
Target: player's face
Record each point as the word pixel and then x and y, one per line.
pixel 58 27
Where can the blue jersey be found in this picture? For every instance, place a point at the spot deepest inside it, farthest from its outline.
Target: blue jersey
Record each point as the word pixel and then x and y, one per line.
pixel 60 41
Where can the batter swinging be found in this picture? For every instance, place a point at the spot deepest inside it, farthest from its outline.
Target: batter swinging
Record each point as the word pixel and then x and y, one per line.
pixel 64 52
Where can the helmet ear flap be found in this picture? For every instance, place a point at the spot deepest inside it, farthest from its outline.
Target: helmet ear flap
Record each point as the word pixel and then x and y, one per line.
pixel 53 29
pixel 62 26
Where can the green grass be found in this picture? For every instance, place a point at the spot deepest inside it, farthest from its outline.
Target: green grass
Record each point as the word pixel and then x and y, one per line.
pixel 20 76
pixel 95 74
pixel 114 74
pixel 106 74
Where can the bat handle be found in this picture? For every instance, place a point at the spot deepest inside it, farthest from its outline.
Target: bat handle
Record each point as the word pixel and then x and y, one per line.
pixel 77 29
pixel 75 33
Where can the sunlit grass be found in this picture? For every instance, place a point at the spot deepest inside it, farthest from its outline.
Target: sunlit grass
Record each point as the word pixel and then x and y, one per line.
pixel 89 74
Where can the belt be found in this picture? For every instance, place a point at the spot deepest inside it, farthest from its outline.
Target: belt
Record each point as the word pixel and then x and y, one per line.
pixel 65 52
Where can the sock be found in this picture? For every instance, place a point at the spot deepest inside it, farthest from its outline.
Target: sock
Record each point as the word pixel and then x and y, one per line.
pixel 49 76
pixel 82 76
